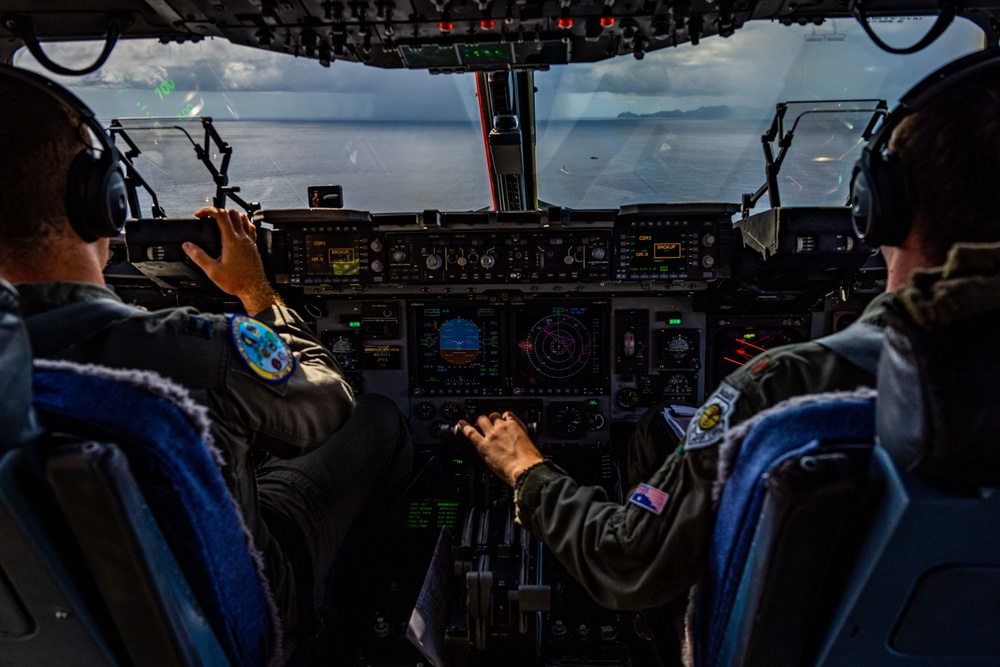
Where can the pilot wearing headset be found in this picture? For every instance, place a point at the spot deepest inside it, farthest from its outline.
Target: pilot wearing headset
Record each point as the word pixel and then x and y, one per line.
pixel 270 387
pixel 926 191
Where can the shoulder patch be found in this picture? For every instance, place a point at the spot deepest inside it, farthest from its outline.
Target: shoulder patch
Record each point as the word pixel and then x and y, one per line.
pixel 649 498
pixel 712 419
pixel 264 352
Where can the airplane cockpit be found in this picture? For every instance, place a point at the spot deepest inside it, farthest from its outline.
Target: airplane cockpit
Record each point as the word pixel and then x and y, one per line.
pixel 572 211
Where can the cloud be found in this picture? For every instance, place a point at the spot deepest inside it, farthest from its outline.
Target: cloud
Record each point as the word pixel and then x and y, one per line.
pixel 759 65
pixel 227 75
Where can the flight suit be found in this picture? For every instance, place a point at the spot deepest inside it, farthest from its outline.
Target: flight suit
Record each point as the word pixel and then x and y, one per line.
pixel 645 553
pixel 300 502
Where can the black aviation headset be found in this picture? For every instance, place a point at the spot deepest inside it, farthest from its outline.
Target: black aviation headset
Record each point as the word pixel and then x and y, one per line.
pixel 96 201
pixel 881 203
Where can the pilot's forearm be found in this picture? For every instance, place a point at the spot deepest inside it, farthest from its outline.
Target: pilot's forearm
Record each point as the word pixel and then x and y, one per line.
pixel 625 556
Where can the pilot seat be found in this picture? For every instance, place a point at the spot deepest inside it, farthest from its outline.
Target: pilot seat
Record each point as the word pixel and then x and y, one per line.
pixel 120 543
pixel 855 530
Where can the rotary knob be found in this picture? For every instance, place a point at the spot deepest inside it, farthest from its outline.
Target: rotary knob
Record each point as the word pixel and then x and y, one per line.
pixel 434 262
pixel 399 255
pixel 597 252
pixel 487 261
pixel 627 399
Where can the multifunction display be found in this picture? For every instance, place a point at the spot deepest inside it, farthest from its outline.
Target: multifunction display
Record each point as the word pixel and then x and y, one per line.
pixel 665 250
pixel 483 349
pixel 559 349
pixel 331 255
pixel 457 349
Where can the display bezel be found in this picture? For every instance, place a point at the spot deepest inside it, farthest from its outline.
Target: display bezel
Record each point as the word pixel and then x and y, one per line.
pixel 429 378
pixel 537 373
pixel 342 243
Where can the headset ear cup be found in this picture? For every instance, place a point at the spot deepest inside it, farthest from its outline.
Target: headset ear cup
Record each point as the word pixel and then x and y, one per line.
pixel 96 202
pixel 880 199
pixel 862 204
pixel 115 201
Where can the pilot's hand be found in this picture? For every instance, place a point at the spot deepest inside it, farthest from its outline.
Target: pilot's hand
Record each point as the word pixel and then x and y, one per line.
pixel 504 444
pixel 238 270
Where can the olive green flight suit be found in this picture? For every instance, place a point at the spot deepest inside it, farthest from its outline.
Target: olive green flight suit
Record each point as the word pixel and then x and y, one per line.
pixel 326 466
pixel 627 556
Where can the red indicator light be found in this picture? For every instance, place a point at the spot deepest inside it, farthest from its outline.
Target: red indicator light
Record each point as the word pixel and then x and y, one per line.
pixel 607 21
pixel 565 22
pixel 487 24
pixel 446 26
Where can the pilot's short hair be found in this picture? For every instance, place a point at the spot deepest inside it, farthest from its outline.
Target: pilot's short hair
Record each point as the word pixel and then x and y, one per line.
pixel 950 150
pixel 39 138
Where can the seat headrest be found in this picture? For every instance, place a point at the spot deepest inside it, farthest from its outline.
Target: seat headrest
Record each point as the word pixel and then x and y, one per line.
pixel 939 397
pixel 16 414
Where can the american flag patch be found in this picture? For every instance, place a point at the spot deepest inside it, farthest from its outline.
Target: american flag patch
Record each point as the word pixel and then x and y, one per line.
pixel 647 497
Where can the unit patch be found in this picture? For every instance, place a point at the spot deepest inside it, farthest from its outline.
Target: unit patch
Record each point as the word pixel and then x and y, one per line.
pixel 649 498
pixel 712 420
pixel 265 353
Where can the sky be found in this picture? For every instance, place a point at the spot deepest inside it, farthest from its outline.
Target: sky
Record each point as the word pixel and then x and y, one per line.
pixel 761 64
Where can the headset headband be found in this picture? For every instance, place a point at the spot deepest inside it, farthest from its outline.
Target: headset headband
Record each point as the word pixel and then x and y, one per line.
pixel 96 201
pixel 58 92
pixel 880 198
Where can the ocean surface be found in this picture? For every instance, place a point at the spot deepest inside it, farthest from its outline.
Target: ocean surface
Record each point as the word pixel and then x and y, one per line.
pixel 413 166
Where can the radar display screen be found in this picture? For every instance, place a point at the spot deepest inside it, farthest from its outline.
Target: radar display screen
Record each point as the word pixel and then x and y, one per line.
pixel 560 349
pixel 331 255
pixel 457 349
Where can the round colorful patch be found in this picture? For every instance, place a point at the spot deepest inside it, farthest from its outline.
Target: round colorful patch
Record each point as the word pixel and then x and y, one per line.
pixel 265 353
pixel 710 417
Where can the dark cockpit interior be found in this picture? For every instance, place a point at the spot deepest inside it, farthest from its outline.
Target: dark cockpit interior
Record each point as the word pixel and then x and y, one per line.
pixel 577 318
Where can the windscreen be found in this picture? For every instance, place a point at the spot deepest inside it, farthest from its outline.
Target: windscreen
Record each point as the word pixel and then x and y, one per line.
pixel 685 124
pixel 396 140
pixel 682 124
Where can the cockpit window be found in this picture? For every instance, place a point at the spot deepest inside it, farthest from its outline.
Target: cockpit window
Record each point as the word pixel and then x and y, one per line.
pixel 685 124
pixel 396 140
pixel 682 124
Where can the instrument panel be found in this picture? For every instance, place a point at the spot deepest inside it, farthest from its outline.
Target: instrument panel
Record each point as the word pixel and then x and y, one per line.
pixel 317 249
pixel 575 320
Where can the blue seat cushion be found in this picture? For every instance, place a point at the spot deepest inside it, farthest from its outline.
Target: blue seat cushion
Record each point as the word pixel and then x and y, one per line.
pixel 178 475
pixel 794 428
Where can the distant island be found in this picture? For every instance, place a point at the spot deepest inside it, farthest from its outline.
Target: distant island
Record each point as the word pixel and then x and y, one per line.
pixel 708 113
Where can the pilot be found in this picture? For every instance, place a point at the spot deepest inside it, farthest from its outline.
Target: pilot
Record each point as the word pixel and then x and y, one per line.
pixel 935 205
pixel 301 457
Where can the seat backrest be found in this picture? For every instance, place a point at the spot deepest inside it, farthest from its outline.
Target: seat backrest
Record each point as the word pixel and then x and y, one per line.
pixel 810 448
pixel 16 415
pixel 164 440
pixel 46 615
pixel 892 562
pixel 102 544
pixel 925 589
pixel 926 586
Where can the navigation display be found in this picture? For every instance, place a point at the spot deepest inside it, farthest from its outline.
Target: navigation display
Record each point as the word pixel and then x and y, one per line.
pixel 457 349
pixel 331 255
pixel 559 349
